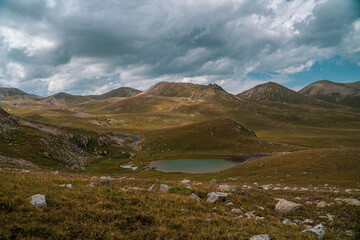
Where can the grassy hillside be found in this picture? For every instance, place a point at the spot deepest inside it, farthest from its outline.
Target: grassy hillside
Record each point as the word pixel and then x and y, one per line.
pixel 218 135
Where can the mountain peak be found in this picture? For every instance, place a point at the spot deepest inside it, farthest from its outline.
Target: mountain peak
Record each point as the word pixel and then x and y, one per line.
pixel 275 92
pixel 187 90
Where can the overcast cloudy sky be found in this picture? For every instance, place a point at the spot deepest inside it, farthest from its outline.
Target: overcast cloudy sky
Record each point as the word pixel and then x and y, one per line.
pixel 93 46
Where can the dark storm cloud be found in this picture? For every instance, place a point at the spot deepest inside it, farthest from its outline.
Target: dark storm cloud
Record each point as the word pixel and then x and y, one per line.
pixel 84 46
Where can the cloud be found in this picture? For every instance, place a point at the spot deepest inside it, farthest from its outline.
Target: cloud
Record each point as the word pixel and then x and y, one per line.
pixel 92 46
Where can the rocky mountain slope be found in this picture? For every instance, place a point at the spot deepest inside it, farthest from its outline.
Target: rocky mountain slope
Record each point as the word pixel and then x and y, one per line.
pixel 341 93
pixel 187 90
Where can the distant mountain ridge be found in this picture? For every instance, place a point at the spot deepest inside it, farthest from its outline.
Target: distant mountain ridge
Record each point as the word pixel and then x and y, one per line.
pixel 272 91
pixel 118 92
pixel 14 93
pixel 340 93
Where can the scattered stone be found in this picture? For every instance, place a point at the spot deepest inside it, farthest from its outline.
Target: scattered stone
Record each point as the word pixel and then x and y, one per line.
pixel 229 203
pixel 66 185
pixel 164 187
pixel 266 187
pixel 287 206
pixel 101 183
pixel 39 201
pixel 213 181
pixel 56 172
pixel 235 189
pixel 251 214
pixel 348 190
pixel 321 204
pixel 288 221
pixel 236 211
pixel 352 201
pixel 330 217
pixel 207 220
pixel 349 233
pixel 308 222
pixel 104 178
pixel 214 196
pixel 260 237
pixel 319 230
pixel 276 188
pixel 298 198
pixel 196 197
pixel 135 188
pixel 185 181
pixel 153 187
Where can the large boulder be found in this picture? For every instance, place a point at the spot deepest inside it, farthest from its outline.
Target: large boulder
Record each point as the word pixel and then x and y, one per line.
pixel 319 230
pixel 287 206
pixel 215 196
pixel 235 189
pixel 39 201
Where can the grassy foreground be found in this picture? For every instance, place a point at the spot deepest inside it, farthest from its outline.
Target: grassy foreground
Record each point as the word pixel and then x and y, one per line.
pixel 111 212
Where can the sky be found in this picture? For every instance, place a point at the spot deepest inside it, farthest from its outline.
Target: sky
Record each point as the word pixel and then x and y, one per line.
pixel 94 46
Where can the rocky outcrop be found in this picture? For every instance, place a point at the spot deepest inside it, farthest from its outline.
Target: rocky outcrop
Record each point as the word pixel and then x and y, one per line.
pixel 17 162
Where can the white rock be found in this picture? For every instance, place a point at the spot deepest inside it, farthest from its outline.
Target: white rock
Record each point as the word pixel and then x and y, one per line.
pixel 185 181
pixel 321 204
pixel 308 222
pixel 213 181
pixel 266 187
pixel 196 197
pixel 236 211
pixel 66 185
pixel 287 206
pixel 164 187
pixel 39 201
pixel 352 201
pixel 319 230
pixel 229 203
pixel 288 221
pixel 214 196
pixel 260 237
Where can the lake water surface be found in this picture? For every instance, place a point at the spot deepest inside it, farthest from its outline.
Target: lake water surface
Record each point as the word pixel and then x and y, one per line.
pixel 193 165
